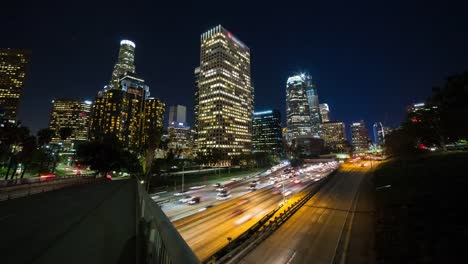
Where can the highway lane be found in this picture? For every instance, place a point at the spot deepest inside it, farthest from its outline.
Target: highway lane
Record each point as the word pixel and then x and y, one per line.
pixel 207 231
pixel 312 234
pixel 176 210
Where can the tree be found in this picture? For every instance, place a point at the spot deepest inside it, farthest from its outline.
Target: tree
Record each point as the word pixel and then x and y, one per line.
pixel 108 155
pixel 44 136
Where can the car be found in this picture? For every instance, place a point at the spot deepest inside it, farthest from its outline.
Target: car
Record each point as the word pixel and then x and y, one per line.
pixel 194 200
pixel 221 188
pixel 185 199
pixel 217 184
pixel 224 192
pixel 223 197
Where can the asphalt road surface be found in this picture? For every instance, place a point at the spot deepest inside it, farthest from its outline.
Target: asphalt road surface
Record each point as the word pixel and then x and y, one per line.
pixel 207 231
pixel 316 233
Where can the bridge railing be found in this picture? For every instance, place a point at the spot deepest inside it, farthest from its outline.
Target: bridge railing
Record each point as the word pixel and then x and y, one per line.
pixel 161 243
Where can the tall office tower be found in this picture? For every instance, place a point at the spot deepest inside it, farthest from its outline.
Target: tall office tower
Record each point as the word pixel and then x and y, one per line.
pixel 324 113
pixel 125 62
pixel 180 139
pixel 13 67
pixel 224 96
pixel 379 133
pixel 334 135
pixel 126 111
pixel 121 111
pixel 177 114
pixel 153 119
pixel 314 106
pixel 267 132
pixel 359 136
pixel 297 108
pixel 69 114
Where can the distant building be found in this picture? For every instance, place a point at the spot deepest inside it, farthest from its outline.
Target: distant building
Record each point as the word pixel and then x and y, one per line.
pixel 324 113
pixel 307 146
pixel 70 114
pixel 267 136
pixel 177 114
pixel 125 109
pixel 334 136
pixel 125 63
pixel 180 140
pixel 13 68
pixel 314 106
pixel 297 108
pixel 224 96
pixel 379 133
pixel 360 137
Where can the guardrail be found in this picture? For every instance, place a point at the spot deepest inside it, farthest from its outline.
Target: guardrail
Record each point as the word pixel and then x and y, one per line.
pixel 242 245
pixel 26 189
pixel 16 182
pixel 160 241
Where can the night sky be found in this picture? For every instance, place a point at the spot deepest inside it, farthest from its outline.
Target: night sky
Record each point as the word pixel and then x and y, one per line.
pixel 368 59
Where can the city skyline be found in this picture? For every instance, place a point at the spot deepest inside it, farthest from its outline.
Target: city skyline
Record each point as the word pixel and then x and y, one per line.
pixel 336 64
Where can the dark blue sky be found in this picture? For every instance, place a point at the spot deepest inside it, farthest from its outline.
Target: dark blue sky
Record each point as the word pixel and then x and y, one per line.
pixel 369 59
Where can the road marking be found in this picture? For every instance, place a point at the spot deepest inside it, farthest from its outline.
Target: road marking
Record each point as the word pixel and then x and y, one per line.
pixel 291 258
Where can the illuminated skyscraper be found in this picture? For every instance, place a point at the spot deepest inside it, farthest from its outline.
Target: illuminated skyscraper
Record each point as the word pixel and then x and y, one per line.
pixel 314 106
pixel 334 135
pixel 125 62
pixel 297 108
pixel 13 66
pixel 324 113
pixel 70 114
pixel 126 111
pixel 359 136
pixel 267 134
pixel 224 96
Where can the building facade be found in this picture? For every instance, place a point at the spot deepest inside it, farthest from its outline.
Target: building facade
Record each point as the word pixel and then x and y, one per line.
pixel 180 140
pixel 325 113
pixel 125 63
pixel 224 96
pixel 360 137
pixel 13 67
pixel 297 108
pixel 177 114
pixel 127 111
pixel 314 106
pixel 267 132
pixel 334 136
pixel 72 115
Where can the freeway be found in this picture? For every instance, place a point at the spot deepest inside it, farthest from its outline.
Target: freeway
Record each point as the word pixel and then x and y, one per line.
pixel 175 210
pixel 316 232
pixel 208 231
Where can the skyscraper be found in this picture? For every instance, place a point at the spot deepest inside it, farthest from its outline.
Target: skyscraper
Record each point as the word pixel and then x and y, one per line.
pixel 13 67
pixel 324 113
pixel 334 135
pixel 359 136
pixel 224 96
pixel 125 62
pixel 379 133
pixel 70 114
pixel 267 134
pixel 177 114
pixel 126 111
pixel 297 108
pixel 314 106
